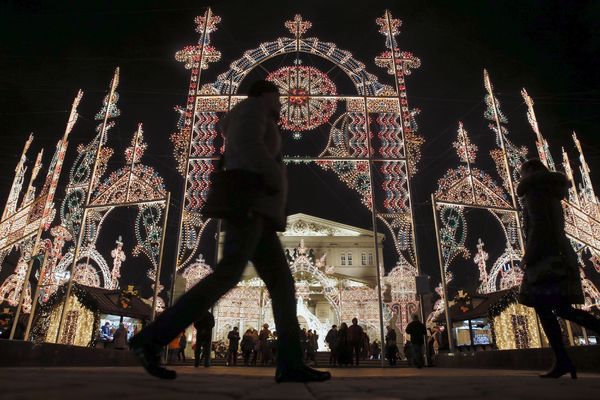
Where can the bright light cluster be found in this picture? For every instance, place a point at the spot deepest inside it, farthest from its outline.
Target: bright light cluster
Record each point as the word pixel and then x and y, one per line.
pixel 300 110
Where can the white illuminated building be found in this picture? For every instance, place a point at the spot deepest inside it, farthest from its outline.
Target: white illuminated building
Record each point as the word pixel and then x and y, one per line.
pixel 334 266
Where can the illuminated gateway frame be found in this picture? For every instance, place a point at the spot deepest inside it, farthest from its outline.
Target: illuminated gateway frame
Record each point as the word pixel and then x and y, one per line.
pixel 22 225
pixel 582 208
pixel 376 131
pixel 87 203
pixel 468 187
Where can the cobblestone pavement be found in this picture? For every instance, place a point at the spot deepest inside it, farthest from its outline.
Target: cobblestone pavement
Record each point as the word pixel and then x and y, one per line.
pixel 222 383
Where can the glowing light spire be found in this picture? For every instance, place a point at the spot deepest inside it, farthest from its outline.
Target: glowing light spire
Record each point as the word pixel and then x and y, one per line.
pixel 542 146
pixel 587 187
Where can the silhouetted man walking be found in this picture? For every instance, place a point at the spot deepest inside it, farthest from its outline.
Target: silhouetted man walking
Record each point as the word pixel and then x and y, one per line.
pixel 253 143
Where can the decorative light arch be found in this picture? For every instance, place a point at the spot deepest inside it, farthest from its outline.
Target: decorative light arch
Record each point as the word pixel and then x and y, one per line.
pixel 378 127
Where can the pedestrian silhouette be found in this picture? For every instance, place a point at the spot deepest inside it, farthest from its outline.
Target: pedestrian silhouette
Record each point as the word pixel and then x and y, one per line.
pixel 252 144
pixel 552 281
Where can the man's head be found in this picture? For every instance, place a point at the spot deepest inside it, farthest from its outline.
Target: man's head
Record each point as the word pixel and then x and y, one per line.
pixel 265 326
pixel 107 323
pixel 235 328
pixel 334 327
pixel 532 166
pixel 354 321
pixel 268 93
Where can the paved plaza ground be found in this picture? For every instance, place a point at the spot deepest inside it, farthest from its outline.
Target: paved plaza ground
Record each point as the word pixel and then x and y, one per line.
pixel 222 383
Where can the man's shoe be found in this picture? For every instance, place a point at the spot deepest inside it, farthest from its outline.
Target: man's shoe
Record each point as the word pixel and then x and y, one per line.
pixel 559 370
pixel 149 356
pixel 302 374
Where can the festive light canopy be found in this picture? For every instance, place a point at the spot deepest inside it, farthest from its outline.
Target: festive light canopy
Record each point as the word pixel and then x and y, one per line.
pixel 85 207
pixel 374 122
pixel 467 187
pixel 22 225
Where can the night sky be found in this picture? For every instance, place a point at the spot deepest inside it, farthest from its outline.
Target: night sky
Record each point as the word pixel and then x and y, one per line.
pixel 49 50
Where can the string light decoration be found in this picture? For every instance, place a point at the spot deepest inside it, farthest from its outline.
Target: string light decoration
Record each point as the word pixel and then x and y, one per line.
pixel 301 112
pixel 82 322
pixel 95 264
pixel 21 226
pixel 89 200
pixel 514 326
pixel 403 293
pixel 481 260
pixel 376 122
pixel 591 293
pixel 119 257
pixel 87 275
pixel 361 302
pixel 581 209
pixel 504 274
pixel 11 288
pixel 195 272
pixel 467 187
pixel 309 99
pixel 508 157
pixel 355 174
pixel 347 298
pixel 541 144
pixel 438 306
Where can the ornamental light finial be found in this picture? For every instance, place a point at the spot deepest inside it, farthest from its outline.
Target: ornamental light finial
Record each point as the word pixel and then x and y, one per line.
pixel 298 26
pixel 467 151
pixel 390 28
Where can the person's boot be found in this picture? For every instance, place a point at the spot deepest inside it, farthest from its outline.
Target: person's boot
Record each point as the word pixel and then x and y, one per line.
pixel 148 355
pixel 301 374
pixel 559 369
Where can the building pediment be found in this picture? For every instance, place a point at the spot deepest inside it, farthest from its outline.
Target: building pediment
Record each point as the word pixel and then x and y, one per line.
pixel 307 225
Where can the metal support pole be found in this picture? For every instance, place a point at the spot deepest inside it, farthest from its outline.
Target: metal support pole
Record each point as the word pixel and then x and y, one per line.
pixel 72 273
pixel 585 335
pixel 443 274
pixel 374 223
pixel 395 58
pixel 88 196
pixel 471 335
pixel 569 332
pixel 25 284
pixel 35 298
pixel 159 267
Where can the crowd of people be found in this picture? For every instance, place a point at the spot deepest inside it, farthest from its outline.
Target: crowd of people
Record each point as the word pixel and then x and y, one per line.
pixel 116 338
pixel 348 346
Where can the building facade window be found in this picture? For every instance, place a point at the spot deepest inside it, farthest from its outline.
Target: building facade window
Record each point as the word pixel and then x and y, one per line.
pixel 349 258
pixel 370 258
pixel 343 258
pixel 363 259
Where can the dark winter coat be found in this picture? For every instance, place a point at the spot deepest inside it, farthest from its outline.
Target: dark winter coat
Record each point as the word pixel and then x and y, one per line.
pixel 417 332
pixel 355 334
pixel 234 340
pixel 247 343
pixel 253 143
pixel 332 338
pixel 544 225
pixel 344 350
pixel 204 326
